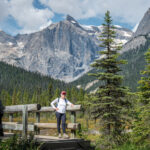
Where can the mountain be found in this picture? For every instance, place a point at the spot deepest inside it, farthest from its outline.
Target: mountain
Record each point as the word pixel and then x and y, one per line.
pixel 14 78
pixel 144 26
pixel 63 50
pixel 132 51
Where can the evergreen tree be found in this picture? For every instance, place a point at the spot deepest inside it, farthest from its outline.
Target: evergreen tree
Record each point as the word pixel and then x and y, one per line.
pixel 141 130
pixel 25 97
pixel 50 91
pixel 74 95
pixel 14 97
pixel 68 94
pixel 108 102
pixel 44 99
pixel 56 94
pixel 18 98
pixel 6 98
pixel 81 95
pixel 34 97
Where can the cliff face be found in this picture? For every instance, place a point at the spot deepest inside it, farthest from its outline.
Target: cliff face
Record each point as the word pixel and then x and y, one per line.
pixel 144 25
pixel 142 33
pixel 63 50
pixel 133 51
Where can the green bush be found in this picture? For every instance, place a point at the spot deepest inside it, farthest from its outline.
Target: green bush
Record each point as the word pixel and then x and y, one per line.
pixel 18 143
pixel 131 146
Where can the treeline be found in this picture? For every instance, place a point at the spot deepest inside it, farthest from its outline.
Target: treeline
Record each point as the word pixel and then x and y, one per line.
pixel 130 71
pixel 43 97
pixel 18 86
pixel 124 116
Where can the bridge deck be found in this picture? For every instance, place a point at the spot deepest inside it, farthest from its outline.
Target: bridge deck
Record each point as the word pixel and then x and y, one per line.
pixel 55 143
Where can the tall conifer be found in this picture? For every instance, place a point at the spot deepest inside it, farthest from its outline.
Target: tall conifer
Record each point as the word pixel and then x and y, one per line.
pixel 141 130
pixel 109 104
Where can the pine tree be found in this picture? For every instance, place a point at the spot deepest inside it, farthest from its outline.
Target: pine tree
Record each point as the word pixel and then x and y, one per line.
pixel 44 98
pixel 34 97
pixel 50 91
pixel 56 94
pixel 25 97
pixel 14 97
pixel 81 95
pixel 108 102
pixel 18 97
pixel 141 130
pixel 68 94
pixel 6 98
pixel 74 95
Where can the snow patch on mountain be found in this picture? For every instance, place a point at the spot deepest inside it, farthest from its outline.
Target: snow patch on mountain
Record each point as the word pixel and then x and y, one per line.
pixel 63 50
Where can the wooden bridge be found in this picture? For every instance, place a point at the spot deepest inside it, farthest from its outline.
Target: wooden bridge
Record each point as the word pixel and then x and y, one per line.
pixel 50 142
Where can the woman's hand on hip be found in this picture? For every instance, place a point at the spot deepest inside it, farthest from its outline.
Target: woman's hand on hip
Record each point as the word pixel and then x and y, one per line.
pixel 56 109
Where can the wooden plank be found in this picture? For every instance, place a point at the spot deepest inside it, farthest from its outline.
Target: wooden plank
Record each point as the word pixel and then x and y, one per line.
pixel 69 108
pixel 10 120
pixel 73 120
pixel 74 108
pixel 64 144
pixel 37 121
pixel 19 108
pixel 16 126
pixel 25 121
pixel 72 126
pixel 48 137
pixel 8 134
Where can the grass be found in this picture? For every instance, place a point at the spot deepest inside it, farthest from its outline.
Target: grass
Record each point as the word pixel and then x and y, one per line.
pixel 131 146
pixel 18 143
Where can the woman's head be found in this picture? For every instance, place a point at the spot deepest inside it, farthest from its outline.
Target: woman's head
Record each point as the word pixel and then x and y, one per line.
pixel 63 94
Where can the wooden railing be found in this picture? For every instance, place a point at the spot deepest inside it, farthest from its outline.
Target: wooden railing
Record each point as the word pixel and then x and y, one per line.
pixel 35 127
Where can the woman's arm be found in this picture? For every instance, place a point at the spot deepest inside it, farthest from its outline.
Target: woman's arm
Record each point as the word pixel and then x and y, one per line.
pixel 69 103
pixel 53 102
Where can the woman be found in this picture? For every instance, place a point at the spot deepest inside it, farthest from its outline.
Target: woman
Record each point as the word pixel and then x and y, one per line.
pixel 1 115
pixel 61 112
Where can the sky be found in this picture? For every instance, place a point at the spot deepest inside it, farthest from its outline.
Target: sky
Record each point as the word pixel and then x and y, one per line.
pixel 27 16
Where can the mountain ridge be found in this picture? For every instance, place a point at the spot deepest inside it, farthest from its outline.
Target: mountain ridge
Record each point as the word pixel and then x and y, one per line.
pixel 133 51
pixel 63 50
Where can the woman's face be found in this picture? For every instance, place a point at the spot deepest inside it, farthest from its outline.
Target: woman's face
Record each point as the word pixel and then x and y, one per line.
pixel 63 96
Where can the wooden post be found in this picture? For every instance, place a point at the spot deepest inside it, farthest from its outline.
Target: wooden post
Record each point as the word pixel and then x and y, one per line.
pixel 73 120
pixel 25 121
pixel 10 120
pixel 38 121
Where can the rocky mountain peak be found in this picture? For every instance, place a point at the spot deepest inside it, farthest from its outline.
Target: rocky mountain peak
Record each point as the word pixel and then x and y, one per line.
pixel 63 50
pixel 71 19
pixel 144 25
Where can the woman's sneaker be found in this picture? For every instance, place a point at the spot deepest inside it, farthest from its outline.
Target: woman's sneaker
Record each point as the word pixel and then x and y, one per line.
pixel 59 135
pixel 65 136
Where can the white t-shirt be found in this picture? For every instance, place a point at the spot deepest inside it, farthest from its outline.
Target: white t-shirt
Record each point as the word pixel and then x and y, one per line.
pixel 62 104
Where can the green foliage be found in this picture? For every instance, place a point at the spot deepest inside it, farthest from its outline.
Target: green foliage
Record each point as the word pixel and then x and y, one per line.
pixel 14 79
pixel 82 132
pixel 131 146
pixel 109 103
pixel 18 143
pixel 18 86
pixel 141 130
pixel 130 71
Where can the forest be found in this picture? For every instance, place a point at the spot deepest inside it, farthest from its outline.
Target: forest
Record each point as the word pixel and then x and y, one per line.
pixel 120 115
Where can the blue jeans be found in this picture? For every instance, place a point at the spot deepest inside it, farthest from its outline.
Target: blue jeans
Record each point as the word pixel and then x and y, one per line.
pixel 61 116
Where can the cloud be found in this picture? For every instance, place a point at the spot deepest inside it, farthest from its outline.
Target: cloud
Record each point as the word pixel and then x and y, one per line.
pixel 124 11
pixel 31 19
pixel 3 9
pixel 28 18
